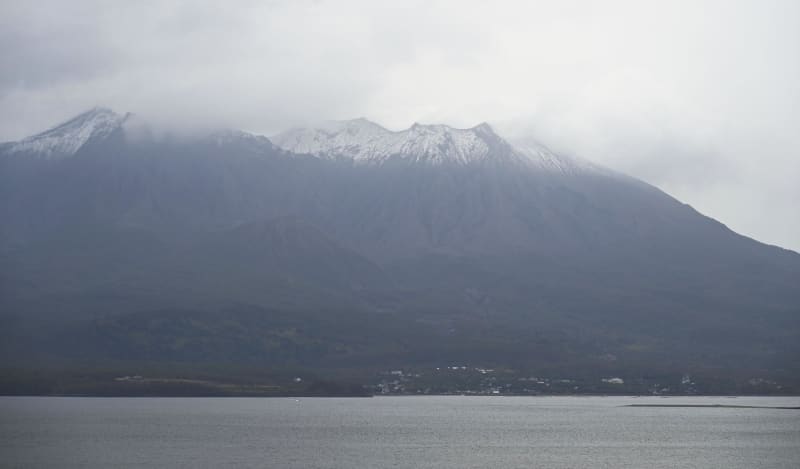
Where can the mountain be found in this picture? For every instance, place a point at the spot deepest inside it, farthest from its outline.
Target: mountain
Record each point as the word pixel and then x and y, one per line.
pixel 66 139
pixel 354 245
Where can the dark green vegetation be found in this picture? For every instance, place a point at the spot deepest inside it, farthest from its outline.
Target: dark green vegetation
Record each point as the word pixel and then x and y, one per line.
pixel 254 351
pixel 172 380
pixel 207 266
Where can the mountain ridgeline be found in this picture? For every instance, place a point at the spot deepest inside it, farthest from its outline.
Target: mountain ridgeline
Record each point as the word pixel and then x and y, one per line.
pixel 352 246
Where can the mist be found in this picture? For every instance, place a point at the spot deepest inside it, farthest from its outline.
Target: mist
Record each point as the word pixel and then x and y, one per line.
pixel 701 99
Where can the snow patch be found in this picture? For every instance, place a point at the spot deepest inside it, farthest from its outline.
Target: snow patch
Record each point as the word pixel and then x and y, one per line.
pixel 366 142
pixel 66 139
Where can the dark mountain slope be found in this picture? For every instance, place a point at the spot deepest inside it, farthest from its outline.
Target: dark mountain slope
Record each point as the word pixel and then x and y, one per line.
pixel 441 242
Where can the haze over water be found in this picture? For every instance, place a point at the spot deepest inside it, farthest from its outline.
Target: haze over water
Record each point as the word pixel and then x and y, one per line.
pixel 405 432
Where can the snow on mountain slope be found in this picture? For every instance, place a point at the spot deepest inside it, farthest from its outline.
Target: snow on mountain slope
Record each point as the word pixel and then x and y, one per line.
pixel 367 142
pixel 358 140
pixel 544 157
pixel 66 139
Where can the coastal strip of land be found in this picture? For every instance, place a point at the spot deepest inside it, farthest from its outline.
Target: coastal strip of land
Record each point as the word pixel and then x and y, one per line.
pixel 714 406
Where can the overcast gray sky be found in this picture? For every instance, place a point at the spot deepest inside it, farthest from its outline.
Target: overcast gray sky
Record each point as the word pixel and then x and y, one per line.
pixel 700 98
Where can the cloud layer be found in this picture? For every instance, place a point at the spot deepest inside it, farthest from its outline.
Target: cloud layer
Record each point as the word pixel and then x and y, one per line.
pixel 699 98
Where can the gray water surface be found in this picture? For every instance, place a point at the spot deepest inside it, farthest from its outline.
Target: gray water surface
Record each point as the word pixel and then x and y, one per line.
pixel 398 432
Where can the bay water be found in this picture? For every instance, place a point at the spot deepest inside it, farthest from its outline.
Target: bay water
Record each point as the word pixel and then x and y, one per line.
pixel 399 432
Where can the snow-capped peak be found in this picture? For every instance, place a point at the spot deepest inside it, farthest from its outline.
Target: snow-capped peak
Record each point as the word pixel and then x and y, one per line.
pixel 67 138
pixel 367 142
